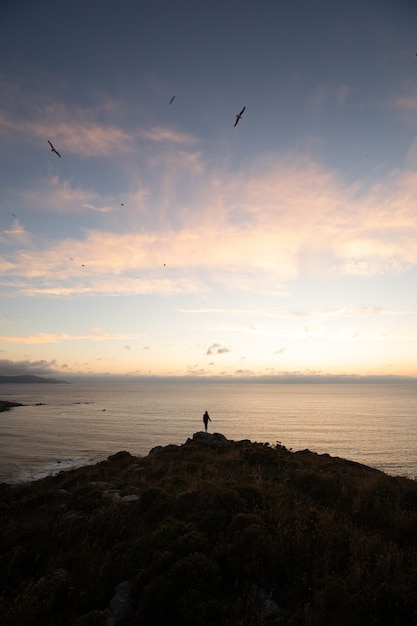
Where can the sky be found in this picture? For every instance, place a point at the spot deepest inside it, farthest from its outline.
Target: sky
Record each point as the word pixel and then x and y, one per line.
pixel 167 241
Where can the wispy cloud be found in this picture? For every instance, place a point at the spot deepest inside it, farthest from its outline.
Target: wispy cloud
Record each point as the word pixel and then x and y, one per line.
pixel 99 209
pixel 408 100
pixel 98 131
pixel 84 130
pixel 85 138
pixel 322 95
pixel 94 335
pixel 16 234
pixel 171 135
pixel 60 196
pixel 71 131
pixel 254 230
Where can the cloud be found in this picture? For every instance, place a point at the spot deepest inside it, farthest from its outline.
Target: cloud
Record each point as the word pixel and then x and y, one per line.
pixel 100 209
pixel 39 368
pixel 70 135
pixel 60 196
pixel 280 351
pixel 16 234
pixel 171 135
pixel 97 131
pixel 367 310
pixel 258 229
pixel 86 138
pixel 322 95
pixel 216 348
pixel 43 338
pixel 408 100
pixel 86 131
pixel 177 163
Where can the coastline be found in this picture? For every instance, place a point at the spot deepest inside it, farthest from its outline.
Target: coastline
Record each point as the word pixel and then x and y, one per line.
pixel 374 426
pixel 5 405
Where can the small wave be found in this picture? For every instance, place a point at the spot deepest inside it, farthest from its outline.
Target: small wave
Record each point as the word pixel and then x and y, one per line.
pixel 61 465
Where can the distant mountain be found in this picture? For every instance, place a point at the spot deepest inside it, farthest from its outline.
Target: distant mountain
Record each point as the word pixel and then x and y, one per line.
pixel 29 378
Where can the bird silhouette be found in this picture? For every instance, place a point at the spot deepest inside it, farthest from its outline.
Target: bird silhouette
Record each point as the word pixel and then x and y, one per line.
pixel 172 100
pixel 239 115
pixel 53 149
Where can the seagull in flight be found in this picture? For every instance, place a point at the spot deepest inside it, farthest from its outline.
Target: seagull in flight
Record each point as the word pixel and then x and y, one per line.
pixel 239 115
pixel 53 149
pixel 172 100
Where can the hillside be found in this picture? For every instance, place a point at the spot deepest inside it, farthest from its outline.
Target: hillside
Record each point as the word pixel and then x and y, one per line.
pixel 210 532
pixel 30 379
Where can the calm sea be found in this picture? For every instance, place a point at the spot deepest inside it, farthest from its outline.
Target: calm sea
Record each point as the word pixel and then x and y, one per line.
pixel 77 424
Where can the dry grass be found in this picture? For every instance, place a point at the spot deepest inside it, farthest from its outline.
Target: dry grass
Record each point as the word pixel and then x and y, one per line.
pixel 217 524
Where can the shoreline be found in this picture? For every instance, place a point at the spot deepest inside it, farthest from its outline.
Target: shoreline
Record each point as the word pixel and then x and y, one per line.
pixel 62 468
pixel 5 405
pixel 281 418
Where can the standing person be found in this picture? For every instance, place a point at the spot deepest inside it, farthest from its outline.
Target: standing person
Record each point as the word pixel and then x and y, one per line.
pixel 206 419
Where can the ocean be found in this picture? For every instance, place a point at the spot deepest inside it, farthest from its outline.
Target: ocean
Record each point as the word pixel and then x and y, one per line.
pixel 69 425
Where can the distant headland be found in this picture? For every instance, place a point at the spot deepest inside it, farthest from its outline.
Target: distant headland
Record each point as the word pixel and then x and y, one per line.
pixel 5 405
pixel 30 378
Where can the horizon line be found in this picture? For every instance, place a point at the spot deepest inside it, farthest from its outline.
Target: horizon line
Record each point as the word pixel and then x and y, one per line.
pixel 262 379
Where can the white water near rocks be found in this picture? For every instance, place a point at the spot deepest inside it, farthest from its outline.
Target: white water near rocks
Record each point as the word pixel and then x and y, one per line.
pixel 67 425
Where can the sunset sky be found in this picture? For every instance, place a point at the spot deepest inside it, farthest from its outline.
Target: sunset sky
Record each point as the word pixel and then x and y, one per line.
pixel 166 241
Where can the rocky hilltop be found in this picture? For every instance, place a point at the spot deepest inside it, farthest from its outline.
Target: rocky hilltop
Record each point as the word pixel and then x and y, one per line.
pixel 210 532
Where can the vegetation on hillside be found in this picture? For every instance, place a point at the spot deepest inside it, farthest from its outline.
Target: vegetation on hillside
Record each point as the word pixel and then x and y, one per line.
pixel 211 532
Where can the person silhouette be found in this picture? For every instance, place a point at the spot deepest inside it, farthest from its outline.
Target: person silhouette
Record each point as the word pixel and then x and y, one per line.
pixel 206 419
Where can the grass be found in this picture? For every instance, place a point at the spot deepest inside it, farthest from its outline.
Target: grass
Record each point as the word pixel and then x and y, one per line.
pixel 220 532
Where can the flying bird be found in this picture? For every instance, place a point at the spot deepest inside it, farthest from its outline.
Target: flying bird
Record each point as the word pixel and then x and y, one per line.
pixel 172 100
pixel 239 115
pixel 53 149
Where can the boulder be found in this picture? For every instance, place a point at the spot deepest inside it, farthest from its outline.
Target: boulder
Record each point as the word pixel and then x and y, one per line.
pixel 203 436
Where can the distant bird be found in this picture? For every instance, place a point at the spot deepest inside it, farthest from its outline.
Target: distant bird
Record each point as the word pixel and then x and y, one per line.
pixel 122 204
pixel 239 115
pixel 172 100
pixel 13 215
pixel 53 149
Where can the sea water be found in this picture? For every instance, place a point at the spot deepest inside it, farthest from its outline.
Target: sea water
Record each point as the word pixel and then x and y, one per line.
pixel 69 425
